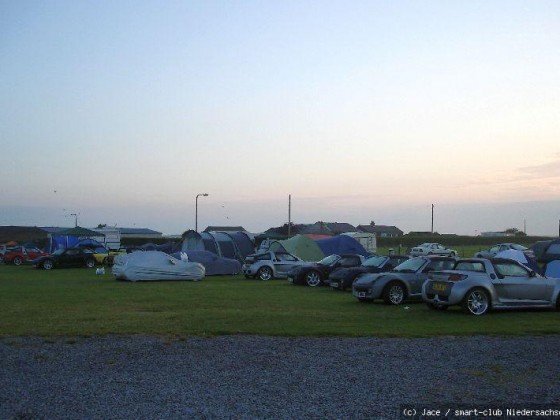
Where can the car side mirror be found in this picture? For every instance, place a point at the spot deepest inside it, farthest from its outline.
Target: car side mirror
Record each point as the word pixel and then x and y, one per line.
pixel 532 274
pixel 428 269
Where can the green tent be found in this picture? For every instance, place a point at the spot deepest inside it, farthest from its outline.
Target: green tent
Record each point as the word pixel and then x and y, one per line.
pixel 300 246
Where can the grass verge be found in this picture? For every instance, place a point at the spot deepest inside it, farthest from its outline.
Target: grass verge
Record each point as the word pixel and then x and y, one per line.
pixel 77 302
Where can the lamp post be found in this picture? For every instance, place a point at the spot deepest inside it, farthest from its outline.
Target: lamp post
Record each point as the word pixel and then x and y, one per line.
pixel 75 219
pixel 196 210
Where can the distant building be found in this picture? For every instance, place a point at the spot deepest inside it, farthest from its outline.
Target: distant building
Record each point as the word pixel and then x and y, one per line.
pixel 328 228
pixel 381 231
pixel 139 233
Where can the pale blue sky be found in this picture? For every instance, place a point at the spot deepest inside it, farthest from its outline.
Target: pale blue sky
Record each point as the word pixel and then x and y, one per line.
pixel 362 110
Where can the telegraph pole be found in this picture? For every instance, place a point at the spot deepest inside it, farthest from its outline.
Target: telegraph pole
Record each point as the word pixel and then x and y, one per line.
pixel 432 219
pixel 289 214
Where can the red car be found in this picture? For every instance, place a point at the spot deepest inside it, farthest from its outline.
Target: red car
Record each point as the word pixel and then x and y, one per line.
pixel 20 254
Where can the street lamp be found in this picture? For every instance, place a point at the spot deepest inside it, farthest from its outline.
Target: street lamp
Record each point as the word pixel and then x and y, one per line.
pixel 196 210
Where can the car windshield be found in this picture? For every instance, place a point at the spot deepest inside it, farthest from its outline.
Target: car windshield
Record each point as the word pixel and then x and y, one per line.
pixel 331 259
pixel 410 266
pixel 374 261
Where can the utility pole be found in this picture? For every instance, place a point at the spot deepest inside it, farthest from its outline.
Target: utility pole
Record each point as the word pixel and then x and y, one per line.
pixel 432 219
pixel 289 215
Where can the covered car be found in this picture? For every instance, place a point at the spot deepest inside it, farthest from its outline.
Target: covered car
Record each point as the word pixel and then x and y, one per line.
pixel 155 265
pixel 213 264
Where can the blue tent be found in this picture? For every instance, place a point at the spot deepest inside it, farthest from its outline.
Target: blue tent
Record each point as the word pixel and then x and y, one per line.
pixel 552 269
pixel 235 245
pixel 214 265
pixel 341 244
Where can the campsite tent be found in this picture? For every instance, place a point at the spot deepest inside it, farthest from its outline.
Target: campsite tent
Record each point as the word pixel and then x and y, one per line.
pixel 235 245
pixel 366 239
pixel 300 246
pixel 552 269
pixel 521 257
pixel 341 244
pixel 70 237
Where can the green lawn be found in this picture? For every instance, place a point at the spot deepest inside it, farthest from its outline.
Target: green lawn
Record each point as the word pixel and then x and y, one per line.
pixel 77 302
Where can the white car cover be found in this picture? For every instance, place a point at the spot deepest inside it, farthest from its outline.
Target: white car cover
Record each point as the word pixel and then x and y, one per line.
pixel 155 265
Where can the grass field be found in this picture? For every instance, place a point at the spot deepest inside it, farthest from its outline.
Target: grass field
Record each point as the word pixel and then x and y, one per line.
pixel 77 302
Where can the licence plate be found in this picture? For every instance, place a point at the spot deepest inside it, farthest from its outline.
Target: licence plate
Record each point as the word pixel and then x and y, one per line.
pixel 334 284
pixel 439 287
pixel 361 294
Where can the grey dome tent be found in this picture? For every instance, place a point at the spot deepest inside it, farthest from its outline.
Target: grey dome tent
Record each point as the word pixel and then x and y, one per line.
pixel 224 244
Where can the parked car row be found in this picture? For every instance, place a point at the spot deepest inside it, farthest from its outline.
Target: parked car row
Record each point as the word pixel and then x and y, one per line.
pixel 478 285
pixel 17 255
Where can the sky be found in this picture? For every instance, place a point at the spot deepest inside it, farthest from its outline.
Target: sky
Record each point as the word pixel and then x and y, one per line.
pixel 122 112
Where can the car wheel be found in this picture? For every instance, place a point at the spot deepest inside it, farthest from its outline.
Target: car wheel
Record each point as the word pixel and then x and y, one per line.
pixel 17 261
pixel 313 279
pixel 48 264
pixel 90 263
pixel 436 307
pixel 476 302
pixel 264 273
pixel 453 254
pixel 394 293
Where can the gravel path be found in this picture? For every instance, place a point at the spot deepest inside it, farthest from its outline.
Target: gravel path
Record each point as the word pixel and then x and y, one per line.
pixel 266 377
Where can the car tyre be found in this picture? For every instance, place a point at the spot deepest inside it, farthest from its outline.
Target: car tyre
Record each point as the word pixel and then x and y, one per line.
pixel 17 260
pixel 48 264
pixel 394 293
pixel 90 263
pixel 476 302
pixel 313 279
pixel 453 254
pixel 264 273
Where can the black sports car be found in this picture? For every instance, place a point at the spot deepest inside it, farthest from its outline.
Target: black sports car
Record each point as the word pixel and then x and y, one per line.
pixel 68 257
pixel 342 278
pixel 314 274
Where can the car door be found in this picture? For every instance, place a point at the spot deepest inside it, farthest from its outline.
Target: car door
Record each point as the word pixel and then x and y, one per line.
pixel 284 262
pixel 519 286
pixel 70 257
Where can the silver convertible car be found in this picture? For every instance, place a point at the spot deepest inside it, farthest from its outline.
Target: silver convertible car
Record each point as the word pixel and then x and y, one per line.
pixel 402 283
pixel 269 265
pixel 480 284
